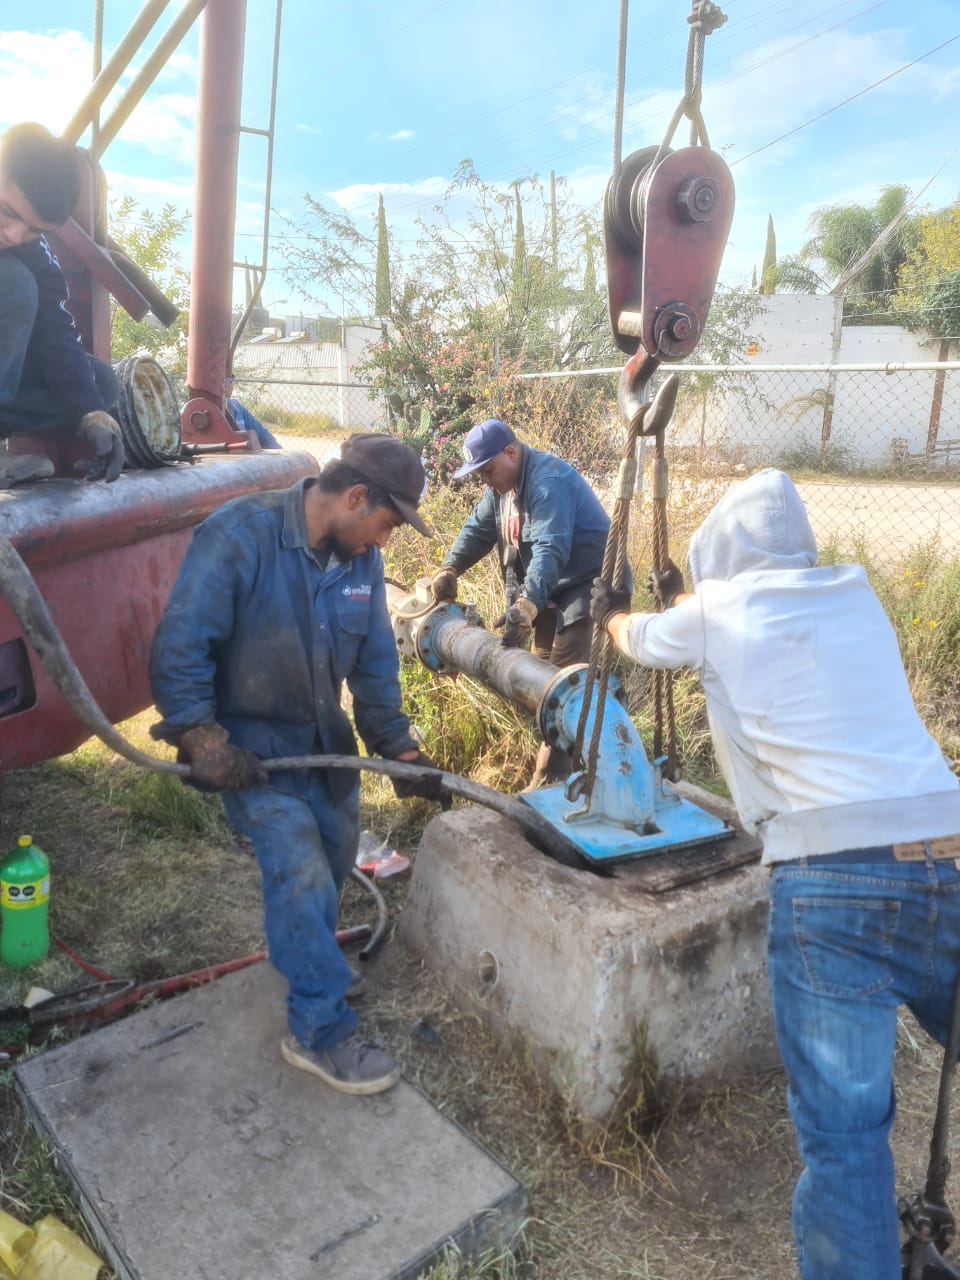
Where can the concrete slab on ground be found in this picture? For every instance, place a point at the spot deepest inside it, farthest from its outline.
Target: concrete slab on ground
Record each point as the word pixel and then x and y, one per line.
pixel 204 1154
pixel 593 974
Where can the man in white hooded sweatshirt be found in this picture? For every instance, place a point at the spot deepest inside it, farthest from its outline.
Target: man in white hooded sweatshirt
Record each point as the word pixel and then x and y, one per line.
pixel 828 762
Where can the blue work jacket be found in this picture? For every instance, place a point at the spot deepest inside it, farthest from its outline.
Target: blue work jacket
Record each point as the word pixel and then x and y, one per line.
pixel 259 638
pixel 563 532
pixel 246 421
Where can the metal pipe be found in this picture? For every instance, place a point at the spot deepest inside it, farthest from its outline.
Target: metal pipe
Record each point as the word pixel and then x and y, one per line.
pixel 97 93
pixel 267 133
pixel 448 639
pixel 97 68
pixel 890 366
pixel 513 673
pixel 149 72
pixel 218 143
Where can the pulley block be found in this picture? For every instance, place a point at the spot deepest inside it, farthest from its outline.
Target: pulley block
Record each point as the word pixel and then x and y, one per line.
pixel 666 224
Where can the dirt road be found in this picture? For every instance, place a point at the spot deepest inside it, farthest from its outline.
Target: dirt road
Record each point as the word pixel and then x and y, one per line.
pixel 889 518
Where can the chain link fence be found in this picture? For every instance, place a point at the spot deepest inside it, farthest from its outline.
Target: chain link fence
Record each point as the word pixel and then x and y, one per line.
pixel 309 406
pixel 874 449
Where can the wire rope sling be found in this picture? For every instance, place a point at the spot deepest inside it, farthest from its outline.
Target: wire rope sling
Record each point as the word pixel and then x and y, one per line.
pixel 666 217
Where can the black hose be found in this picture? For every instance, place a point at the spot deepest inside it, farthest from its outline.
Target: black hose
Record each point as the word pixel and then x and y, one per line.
pixel 536 828
pixel 379 933
pixel 34 617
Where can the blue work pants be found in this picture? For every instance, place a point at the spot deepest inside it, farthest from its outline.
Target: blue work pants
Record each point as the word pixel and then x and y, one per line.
pixel 24 407
pixel 305 844
pixel 847 945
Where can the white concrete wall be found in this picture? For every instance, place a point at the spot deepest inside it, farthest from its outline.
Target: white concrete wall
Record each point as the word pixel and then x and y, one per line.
pixel 311 378
pixel 766 416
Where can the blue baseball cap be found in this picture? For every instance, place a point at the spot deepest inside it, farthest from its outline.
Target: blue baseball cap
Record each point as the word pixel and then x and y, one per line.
pixel 483 442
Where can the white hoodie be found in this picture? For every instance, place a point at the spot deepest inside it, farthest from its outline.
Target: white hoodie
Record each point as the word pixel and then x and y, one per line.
pixel 811 714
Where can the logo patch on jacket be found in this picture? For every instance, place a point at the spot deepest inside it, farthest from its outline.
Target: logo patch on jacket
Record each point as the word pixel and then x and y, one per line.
pixel 362 592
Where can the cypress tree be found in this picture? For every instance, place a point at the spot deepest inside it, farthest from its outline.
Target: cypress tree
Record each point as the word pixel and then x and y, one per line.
pixel 519 246
pixel 768 270
pixel 589 271
pixel 382 303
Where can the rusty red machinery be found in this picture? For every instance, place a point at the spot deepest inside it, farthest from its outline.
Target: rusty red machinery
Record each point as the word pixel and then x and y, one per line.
pixel 666 218
pixel 104 556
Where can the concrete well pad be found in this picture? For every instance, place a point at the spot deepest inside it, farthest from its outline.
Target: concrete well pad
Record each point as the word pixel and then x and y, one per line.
pixel 198 1152
pixel 592 973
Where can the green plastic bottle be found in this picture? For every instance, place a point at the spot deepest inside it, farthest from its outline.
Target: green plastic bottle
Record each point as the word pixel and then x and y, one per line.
pixel 24 900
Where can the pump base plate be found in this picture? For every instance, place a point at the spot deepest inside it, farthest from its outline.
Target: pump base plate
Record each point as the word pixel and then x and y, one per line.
pixel 679 825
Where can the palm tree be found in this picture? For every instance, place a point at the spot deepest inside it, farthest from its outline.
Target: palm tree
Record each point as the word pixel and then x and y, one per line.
pixel 841 235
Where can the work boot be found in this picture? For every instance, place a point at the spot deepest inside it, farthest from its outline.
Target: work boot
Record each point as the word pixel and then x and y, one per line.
pixel 21 468
pixel 352 1065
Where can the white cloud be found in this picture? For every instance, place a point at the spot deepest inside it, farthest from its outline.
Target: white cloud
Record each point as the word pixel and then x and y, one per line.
pixel 364 195
pixel 782 93
pixel 765 91
pixel 308 128
pixel 146 190
pixel 401 135
pixel 30 92
pixel 163 123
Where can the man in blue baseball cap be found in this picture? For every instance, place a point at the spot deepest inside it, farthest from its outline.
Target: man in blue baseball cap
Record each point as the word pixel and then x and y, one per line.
pixel 548 525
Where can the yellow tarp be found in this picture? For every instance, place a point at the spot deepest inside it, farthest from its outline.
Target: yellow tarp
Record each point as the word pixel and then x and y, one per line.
pixel 48 1250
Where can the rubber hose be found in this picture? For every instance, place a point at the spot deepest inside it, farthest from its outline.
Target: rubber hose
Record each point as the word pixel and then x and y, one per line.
pixel 34 617
pixel 383 919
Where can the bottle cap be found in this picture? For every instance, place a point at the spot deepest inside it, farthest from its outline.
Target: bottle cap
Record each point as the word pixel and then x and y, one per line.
pixel 25 840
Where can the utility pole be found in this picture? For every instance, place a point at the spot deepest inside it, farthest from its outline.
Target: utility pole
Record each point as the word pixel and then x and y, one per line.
pixel 553 219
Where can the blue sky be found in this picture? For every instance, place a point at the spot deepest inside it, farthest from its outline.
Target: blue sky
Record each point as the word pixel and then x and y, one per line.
pixel 390 97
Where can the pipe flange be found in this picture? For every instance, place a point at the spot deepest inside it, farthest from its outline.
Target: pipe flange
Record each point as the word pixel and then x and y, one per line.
pixel 426 650
pixel 568 683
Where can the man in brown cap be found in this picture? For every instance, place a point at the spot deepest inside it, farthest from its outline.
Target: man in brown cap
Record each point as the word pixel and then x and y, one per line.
pixel 279 600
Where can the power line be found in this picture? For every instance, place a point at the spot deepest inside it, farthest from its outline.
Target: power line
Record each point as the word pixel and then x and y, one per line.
pixel 736 75
pixel 859 94
pixel 743 71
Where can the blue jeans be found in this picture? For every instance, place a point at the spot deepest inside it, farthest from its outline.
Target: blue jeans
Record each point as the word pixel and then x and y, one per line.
pixel 305 845
pixel 847 945
pixel 26 407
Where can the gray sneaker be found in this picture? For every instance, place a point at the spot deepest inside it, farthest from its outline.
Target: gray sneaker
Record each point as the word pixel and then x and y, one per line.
pixel 20 468
pixel 352 1065
pixel 357 989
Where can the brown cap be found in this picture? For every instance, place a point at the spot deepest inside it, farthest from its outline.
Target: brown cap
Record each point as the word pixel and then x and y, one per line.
pixel 388 462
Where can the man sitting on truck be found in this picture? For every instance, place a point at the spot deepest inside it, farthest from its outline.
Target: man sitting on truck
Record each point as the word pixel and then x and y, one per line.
pixel 47 380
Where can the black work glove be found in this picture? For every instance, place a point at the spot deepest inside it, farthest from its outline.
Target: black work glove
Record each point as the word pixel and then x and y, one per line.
pixel 100 430
pixel 428 784
pixel 215 763
pixel 665 585
pixel 605 601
